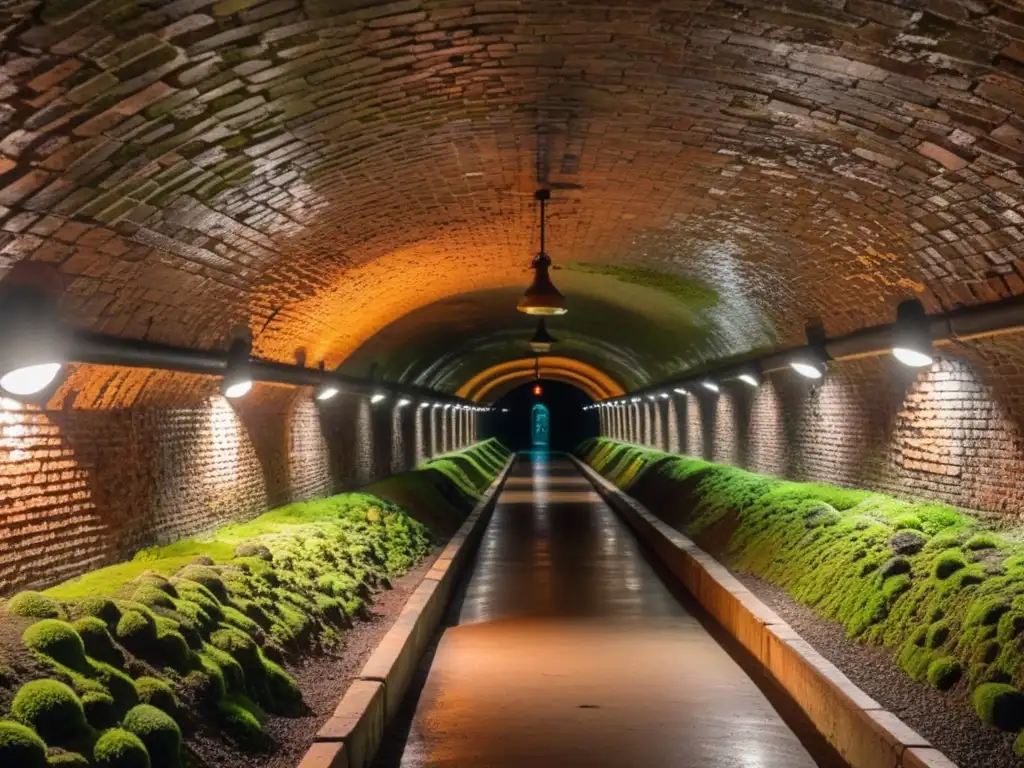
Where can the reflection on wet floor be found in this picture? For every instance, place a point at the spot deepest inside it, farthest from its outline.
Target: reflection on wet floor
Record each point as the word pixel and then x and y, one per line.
pixel 570 651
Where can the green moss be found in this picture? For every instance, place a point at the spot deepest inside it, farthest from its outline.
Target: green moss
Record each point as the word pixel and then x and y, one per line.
pixel 34 605
pixel 938 633
pixel 69 760
pixel 97 640
pixel 907 520
pixel 120 686
pixel 241 718
pixel 284 691
pixel 981 541
pixel 58 640
pixel 101 608
pixel 157 693
pixel 100 710
pixel 948 563
pixel 118 748
pixel 693 294
pixel 51 709
pixel 944 673
pixel 158 732
pixel 1000 705
pixel 20 746
pixel 152 597
pixel 137 632
pixel 1018 745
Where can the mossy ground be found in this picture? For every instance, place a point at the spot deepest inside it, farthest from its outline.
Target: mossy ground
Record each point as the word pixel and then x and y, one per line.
pixel 119 664
pixel 921 578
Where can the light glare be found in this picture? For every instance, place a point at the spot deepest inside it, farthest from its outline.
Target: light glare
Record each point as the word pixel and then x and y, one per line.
pixel 710 386
pixel 680 391
pixel 748 379
pixel 326 393
pixel 806 369
pixel 377 398
pixel 403 402
pixel 911 357
pixel 30 379
pixel 238 389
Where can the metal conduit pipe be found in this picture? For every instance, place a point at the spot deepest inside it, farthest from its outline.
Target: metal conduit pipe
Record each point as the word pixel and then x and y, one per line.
pixel 946 329
pixel 102 349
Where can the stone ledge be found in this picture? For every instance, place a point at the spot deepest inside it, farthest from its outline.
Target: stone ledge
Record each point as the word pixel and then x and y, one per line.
pixel 351 736
pixel 861 730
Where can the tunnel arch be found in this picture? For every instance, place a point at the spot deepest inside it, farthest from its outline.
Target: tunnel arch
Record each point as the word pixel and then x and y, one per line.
pixel 192 170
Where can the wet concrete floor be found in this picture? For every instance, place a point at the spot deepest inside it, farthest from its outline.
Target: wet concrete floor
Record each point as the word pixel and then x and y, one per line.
pixel 569 650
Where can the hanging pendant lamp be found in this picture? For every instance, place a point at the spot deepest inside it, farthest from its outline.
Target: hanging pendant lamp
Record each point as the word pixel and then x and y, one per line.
pixel 542 298
pixel 542 341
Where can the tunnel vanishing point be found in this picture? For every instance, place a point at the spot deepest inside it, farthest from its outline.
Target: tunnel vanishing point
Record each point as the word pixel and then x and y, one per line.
pixel 511 382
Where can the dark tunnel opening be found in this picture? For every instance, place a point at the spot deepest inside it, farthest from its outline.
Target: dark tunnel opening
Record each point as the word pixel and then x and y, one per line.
pixel 568 422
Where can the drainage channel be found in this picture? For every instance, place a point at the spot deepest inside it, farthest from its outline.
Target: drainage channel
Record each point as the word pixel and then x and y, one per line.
pixel 566 646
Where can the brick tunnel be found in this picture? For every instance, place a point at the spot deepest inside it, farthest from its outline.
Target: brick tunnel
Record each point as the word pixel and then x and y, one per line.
pixel 290 475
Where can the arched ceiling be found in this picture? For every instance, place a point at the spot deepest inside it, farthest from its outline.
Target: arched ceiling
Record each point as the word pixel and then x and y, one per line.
pixel 721 171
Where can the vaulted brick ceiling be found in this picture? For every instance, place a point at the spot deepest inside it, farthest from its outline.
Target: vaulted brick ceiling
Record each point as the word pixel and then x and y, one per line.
pixel 721 171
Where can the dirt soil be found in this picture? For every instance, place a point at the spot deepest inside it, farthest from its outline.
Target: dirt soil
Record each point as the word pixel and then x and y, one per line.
pixel 323 680
pixel 947 720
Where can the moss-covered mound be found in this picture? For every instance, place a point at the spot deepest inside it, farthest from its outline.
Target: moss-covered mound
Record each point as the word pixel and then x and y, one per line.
pixel 918 577
pixel 124 662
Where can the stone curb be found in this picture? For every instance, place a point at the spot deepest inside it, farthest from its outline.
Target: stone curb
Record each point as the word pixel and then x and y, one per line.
pixel 863 732
pixel 351 736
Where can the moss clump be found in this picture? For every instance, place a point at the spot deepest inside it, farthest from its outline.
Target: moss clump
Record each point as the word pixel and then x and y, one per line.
pixel 241 718
pixel 944 673
pixel 20 746
pixel 101 608
pixel 158 732
pixel 137 632
pixel 1000 705
pixel 120 686
pixel 51 709
pixel 100 710
pixel 157 693
pixel 58 640
pixel 34 605
pixel 1018 745
pixel 97 640
pixel 284 691
pixel 69 760
pixel 948 563
pixel 894 567
pixel 907 542
pixel 118 748
pixel 981 541
pixel 938 633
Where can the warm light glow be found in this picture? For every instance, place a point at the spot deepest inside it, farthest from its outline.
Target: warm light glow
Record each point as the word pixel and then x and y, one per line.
pixel 710 386
pixel 238 389
pixel 402 403
pixel 747 378
pixel 538 390
pixel 326 393
pixel 378 398
pixel 912 357
pixel 30 379
pixel 806 369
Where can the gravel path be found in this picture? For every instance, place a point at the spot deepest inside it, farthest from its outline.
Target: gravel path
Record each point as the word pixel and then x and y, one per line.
pixel 947 720
pixel 323 679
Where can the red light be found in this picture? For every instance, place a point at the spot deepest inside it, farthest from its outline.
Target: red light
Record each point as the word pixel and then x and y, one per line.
pixel 538 390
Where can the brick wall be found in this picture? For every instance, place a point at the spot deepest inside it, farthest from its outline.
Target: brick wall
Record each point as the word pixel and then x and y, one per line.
pixel 81 488
pixel 953 432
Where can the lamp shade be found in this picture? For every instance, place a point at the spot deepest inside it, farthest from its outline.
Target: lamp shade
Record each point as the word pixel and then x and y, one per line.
pixel 541 297
pixel 542 341
pixel 237 379
pixel 912 338
pixel 33 346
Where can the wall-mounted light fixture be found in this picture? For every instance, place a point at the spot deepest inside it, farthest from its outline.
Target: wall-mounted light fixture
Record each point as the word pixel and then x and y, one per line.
pixel 912 337
pixel 326 389
pixel 33 346
pixel 237 380
pixel 710 386
pixel 752 377
pixel 403 402
pixel 378 397
pixel 681 391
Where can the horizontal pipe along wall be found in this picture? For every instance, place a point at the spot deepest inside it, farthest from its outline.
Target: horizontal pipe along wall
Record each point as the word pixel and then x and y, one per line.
pixel 81 488
pixel 952 431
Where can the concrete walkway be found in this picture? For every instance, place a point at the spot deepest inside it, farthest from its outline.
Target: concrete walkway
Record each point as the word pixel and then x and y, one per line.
pixel 570 651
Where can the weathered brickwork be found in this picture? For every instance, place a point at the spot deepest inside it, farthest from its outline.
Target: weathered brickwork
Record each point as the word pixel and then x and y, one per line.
pixel 952 432
pixel 84 488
